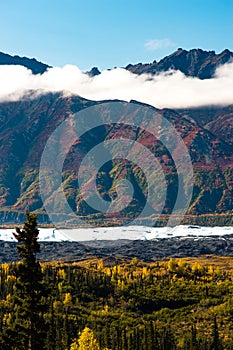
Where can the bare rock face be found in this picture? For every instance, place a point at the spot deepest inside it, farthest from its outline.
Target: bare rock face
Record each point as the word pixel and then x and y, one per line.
pixel 93 72
pixel 194 63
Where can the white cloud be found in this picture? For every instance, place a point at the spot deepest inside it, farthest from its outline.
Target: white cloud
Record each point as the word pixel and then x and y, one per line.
pixel 171 89
pixel 156 44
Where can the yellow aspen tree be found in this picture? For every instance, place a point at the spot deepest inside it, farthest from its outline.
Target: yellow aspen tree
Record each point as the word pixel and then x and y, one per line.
pixel 86 341
pixel 67 300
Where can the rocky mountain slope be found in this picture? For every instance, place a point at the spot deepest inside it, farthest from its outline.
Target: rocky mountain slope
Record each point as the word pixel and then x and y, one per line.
pixel 218 120
pixel 27 124
pixel 194 63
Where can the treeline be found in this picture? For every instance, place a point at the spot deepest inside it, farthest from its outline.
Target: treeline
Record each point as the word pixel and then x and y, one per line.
pixel 108 304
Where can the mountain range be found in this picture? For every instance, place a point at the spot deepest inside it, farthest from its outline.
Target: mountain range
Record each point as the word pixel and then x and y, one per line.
pixel 194 63
pixel 26 125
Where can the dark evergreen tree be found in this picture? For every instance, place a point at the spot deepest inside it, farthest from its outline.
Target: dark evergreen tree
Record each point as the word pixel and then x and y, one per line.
pixel 167 339
pixel 217 344
pixel 27 328
pixel 194 345
pixel 51 333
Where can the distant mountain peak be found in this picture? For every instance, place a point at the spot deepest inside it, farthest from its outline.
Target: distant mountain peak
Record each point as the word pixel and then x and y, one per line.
pixel 31 63
pixel 93 72
pixel 195 63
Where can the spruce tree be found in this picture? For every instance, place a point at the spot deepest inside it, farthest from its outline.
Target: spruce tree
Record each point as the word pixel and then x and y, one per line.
pixel 216 344
pixel 28 326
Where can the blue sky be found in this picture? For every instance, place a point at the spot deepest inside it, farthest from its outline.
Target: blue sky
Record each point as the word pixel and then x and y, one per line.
pixel 108 33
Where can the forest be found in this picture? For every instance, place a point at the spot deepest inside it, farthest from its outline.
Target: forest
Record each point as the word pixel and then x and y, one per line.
pixel 114 304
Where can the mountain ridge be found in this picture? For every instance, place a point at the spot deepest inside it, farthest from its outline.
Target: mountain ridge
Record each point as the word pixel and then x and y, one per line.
pixel 31 63
pixel 195 63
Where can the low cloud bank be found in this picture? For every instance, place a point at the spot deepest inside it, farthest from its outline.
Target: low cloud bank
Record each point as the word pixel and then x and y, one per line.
pixel 171 89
